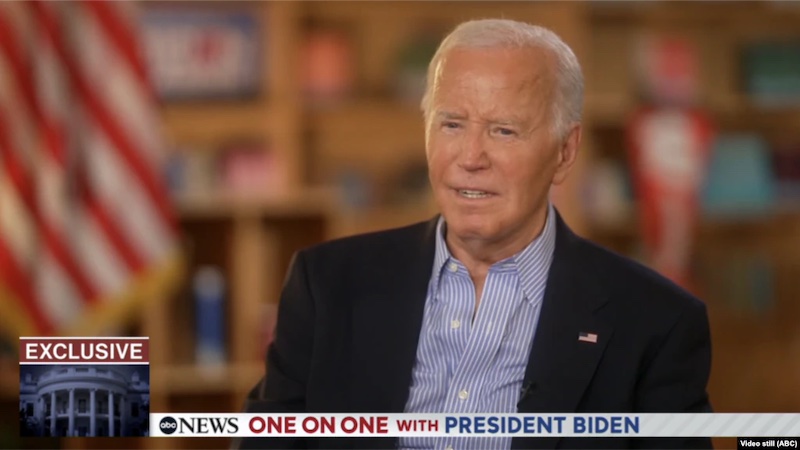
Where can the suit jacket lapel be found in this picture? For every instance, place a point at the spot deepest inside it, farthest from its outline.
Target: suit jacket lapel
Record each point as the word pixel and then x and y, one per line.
pixel 387 324
pixel 560 366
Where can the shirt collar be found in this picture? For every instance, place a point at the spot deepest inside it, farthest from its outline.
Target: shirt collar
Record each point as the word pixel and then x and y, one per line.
pixel 532 263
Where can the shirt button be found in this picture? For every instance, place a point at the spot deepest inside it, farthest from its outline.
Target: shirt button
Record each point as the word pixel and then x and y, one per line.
pixel 455 323
pixel 452 267
pixel 463 395
pixel 449 447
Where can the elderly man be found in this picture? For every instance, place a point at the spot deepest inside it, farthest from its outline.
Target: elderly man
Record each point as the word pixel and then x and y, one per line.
pixel 494 306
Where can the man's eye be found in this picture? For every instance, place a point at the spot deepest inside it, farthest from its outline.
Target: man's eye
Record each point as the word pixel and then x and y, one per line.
pixel 504 131
pixel 451 125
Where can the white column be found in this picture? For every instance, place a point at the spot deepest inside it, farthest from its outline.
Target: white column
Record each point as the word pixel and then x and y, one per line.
pixel 92 413
pixel 53 413
pixel 122 415
pixel 40 410
pixel 110 413
pixel 71 428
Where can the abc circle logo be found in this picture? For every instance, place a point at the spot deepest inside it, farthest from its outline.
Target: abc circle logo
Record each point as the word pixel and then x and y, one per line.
pixel 168 425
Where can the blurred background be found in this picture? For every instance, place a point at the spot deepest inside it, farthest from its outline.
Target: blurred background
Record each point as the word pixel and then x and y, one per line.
pixel 162 161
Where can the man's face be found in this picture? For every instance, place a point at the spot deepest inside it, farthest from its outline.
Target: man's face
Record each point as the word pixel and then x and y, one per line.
pixel 492 155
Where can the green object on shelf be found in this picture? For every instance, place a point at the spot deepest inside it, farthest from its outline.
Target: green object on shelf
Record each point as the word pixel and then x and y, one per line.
pixel 772 73
pixel 412 66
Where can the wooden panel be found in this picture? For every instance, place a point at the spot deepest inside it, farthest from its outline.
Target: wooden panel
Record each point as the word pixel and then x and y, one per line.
pixel 248 261
pixel 282 52
pixel 375 138
pixel 375 219
pixel 211 125
pixel 316 201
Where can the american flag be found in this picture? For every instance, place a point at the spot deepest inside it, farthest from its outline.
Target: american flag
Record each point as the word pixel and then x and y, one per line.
pixel 86 228
pixel 587 337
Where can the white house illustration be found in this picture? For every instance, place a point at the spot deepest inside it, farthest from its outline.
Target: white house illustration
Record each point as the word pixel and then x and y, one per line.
pixel 100 400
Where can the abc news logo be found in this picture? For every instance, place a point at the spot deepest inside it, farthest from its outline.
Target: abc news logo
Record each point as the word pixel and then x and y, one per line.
pixel 199 425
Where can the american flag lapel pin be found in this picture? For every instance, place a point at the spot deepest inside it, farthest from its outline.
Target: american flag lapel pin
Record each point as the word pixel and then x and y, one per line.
pixel 587 337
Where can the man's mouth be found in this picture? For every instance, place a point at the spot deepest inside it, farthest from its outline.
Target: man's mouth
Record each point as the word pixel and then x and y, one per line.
pixel 473 194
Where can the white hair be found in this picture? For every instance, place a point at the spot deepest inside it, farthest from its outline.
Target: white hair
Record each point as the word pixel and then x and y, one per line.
pixel 502 33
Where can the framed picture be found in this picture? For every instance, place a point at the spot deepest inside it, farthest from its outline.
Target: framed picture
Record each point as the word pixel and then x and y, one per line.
pixel 194 53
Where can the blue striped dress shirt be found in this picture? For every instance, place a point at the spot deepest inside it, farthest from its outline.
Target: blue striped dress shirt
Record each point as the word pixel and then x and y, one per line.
pixel 466 366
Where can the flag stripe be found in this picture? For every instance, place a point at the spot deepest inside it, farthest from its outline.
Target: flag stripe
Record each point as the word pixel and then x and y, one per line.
pixel 109 226
pixel 122 92
pixel 122 37
pixel 54 242
pixel 89 244
pixel 20 177
pixel 20 285
pixel 110 179
pixel 84 217
pixel 56 292
pixel 56 140
pixel 107 123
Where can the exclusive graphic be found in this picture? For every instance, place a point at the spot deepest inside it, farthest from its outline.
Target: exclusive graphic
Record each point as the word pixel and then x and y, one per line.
pixel 88 387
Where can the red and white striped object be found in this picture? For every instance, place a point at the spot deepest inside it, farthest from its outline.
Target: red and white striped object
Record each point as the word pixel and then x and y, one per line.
pixel 86 228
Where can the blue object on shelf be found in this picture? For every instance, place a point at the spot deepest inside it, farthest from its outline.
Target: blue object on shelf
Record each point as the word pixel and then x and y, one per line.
pixel 740 179
pixel 209 292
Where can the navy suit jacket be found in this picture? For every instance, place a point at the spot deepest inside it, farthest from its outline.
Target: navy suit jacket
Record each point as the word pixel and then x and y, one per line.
pixel 351 311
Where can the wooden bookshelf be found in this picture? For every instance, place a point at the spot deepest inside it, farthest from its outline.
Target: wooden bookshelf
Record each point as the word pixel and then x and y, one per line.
pixel 729 111
pixel 696 13
pixel 212 125
pixel 313 201
pixel 350 222
pixel 253 239
pixel 773 220
pixel 386 114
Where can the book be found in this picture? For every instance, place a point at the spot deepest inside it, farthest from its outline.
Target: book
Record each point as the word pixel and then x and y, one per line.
pixel 208 286
pixel 740 180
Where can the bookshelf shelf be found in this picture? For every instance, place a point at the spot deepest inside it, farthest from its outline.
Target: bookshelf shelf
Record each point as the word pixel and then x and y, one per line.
pixel 211 125
pixel 699 14
pixel 780 217
pixel 380 114
pixel 611 111
pixel 307 202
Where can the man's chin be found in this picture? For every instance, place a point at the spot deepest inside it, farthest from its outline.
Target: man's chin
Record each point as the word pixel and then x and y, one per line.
pixel 471 230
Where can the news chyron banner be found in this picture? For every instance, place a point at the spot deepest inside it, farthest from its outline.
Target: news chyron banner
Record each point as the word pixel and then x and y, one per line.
pixel 84 386
pixel 764 430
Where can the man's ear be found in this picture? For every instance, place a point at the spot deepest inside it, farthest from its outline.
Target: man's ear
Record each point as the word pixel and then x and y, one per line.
pixel 568 153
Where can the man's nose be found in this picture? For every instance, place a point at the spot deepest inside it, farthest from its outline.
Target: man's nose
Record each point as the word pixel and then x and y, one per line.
pixel 473 153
